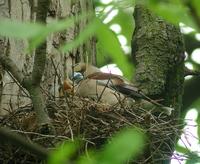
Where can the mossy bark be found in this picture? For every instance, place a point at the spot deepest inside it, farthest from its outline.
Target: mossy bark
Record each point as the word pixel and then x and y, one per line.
pixel 158 51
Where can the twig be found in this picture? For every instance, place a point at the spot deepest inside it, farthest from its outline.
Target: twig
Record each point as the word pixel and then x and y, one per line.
pixel 42 135
pixel 8 136
pixel 99 98
pixel 188 72
pixel 18 84
pixel 60 82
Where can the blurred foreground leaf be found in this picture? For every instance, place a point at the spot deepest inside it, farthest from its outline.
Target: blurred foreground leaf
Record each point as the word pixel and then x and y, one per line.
pixel 88 32
pixel 173 11
pixel 21 30
pixel 108 41
pixel 125 20
pixel 63 153
pixel 124 146
pixel 193 158
pixel 196 5
pixel 36 33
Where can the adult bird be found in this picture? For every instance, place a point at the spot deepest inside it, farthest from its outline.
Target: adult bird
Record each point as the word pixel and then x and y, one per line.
pixel 87 87
pixel 95 82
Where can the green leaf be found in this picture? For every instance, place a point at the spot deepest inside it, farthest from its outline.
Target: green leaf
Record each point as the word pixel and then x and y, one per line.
pixel 36 33
pixel 63 153
pixel 54 26
pixel 90 158
pixel 108 41
pixel 16 29
pixel 125 20
pixel 182 149
pixel 85 34
pixel 125 145
pixel 196 5
pixel 193 158
pixel 173 11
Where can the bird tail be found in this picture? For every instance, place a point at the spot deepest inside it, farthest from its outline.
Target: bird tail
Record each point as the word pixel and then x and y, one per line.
pixel 133 92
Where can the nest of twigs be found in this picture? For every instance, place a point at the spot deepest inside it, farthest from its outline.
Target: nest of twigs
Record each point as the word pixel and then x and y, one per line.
pixel 91 122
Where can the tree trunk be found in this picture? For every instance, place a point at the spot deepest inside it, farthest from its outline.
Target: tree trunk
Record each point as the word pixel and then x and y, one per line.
pixel 158 52
pixel 12 96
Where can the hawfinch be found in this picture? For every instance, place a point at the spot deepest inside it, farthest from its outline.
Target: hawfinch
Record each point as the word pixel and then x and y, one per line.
pixel 106 85
pixel 87 87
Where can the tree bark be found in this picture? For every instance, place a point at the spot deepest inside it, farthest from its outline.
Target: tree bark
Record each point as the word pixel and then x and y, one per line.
pixel 12 96
pixel 158 52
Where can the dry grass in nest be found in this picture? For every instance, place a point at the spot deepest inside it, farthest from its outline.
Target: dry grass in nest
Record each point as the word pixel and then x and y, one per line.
pixel 92 122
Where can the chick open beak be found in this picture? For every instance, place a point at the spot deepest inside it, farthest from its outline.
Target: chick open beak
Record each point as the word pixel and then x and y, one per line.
pixel 66 87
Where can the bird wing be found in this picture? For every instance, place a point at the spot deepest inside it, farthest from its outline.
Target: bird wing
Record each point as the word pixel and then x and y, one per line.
pixel 128 90
pixel 117 83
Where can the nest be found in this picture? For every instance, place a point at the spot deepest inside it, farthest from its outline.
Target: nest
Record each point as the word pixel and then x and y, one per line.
pixel 94 123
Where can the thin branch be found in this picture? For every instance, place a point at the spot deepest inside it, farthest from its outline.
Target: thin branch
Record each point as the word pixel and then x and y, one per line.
pixel 7 136
pixel 20 85
pixel 60 82
pixel 188 72
pixel 33 84
pixel 40 52
pixel 10 66
pixel 14 72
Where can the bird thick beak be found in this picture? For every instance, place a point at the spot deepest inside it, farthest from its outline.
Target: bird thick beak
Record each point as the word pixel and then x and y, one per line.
pixel 78 67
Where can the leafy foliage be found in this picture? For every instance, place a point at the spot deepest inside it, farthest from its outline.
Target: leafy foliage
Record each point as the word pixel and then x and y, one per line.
pixel 108 46
pixel 64 152
pixel 36 33
pixel 124 146
pixel 173 11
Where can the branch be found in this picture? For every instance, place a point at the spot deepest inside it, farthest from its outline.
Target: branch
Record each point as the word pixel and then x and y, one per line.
pixel 10 66
pixel 188 72
pixel 33 84
pixel 13 71
pixel 7 136
pixel 40 52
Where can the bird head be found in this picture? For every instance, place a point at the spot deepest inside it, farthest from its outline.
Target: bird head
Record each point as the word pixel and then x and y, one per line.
pixel 85 69
pixel 77 77
pixel 66 87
